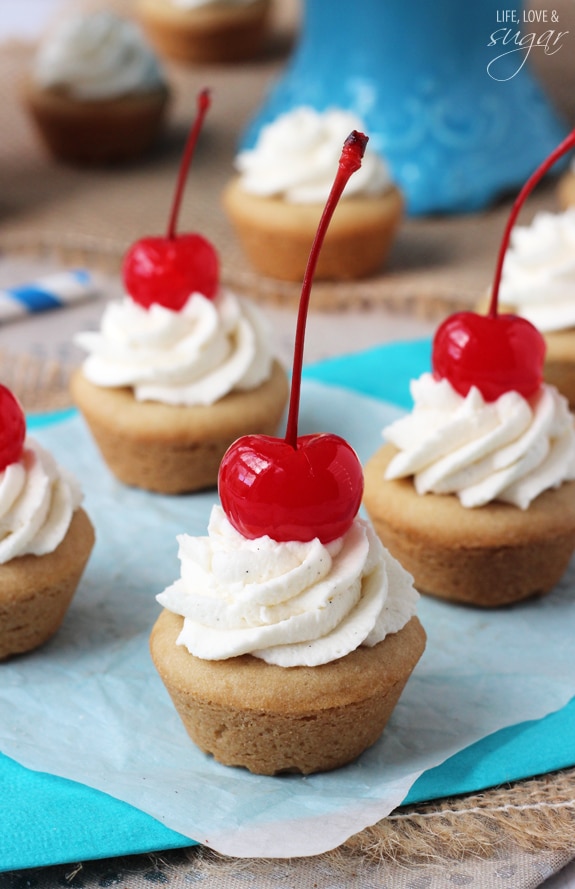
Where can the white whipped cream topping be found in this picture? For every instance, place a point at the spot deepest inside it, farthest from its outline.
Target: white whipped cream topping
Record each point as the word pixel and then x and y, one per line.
pixel 538 278
pixel 297 155
pixel 193 356
pixel 37 500
pixel 195 4
pixel 97 56
pixel 290 604
pixel 511 449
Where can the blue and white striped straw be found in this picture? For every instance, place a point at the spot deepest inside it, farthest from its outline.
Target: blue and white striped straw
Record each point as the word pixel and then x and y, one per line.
pixel 52 292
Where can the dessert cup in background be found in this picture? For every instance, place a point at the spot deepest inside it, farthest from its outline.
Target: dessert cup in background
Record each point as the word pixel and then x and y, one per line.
pixel 180 367
pixel 46 538
pixel 206 31
pixel 276 200
pixel 291 632
pixel 475 490
pixel 96 93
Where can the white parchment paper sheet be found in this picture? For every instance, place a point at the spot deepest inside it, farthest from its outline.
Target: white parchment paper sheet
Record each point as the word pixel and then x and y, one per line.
pixel 90 707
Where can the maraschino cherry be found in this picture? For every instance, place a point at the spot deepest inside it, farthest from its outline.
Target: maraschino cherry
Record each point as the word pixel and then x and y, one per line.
pixel 298 487
pixel 497 353
pixel 167 270
pixel 12 428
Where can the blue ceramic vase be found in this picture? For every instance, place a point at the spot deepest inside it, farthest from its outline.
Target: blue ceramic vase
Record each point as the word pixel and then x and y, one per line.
pixel 444 89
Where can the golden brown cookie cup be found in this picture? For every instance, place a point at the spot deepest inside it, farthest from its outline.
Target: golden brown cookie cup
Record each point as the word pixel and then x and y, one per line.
pixel 174 449
pixel 489 556
pixel 216 33
pixel 277 236
pixel 272 719
pixel 36 591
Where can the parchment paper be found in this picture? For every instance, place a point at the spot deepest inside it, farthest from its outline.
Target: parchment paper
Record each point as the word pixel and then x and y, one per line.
pixel 90 707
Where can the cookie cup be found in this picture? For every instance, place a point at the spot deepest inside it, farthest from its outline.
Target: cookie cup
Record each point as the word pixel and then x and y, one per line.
pixel 489 556
pixel 174 449
pixel 277 235
pixel 218 32
pixel 36 591
pixel 95 132
pixel 272 719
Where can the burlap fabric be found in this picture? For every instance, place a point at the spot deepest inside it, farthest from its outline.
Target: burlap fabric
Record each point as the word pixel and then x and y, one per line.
pixel 518 834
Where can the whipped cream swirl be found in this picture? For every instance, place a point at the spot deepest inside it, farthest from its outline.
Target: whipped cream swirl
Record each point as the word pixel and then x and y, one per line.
pixel 511 449
pixel 290 604
pixel 192 356
pixel 296 157
pixel 37 500
pixel 538 278
pixel 97 56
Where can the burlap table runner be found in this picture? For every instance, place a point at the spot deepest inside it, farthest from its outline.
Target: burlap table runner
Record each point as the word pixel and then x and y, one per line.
pixel 89 216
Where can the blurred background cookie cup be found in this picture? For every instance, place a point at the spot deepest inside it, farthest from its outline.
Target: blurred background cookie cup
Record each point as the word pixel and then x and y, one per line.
pixel 95 91
pixel 205 31
pixel 276 200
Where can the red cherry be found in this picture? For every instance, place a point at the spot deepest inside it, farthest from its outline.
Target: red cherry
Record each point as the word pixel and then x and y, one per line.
pixel 12 428
pixel 269 487
pixel 297 488
pixel 167 270
pixel 496 353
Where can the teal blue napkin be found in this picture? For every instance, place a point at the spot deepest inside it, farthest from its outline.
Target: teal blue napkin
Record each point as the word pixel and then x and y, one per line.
pixel 382 372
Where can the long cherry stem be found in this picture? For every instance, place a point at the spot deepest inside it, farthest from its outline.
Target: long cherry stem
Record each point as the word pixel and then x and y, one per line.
pixel 350 161
pixel 203 105
pixel 562 148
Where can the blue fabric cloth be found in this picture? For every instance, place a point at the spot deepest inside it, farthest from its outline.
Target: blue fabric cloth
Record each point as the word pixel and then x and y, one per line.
pixel 382 372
